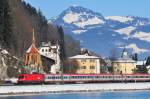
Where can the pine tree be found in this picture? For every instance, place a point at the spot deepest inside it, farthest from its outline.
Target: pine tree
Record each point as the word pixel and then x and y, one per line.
pixel 7 39
pixel 148 61
pixel 62 47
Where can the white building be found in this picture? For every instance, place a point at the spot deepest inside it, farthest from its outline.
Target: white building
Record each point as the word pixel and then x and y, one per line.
pixel 51 51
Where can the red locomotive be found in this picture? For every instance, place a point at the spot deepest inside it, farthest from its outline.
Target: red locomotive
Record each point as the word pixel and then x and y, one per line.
pixel 31 78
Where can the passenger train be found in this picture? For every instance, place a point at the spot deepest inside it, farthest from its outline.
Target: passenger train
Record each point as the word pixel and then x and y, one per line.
pixel 80 78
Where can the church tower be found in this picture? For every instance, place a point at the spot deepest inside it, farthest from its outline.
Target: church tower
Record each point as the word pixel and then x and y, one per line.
pixel 33 58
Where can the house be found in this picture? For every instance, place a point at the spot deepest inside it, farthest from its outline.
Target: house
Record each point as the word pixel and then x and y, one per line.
pixel 51 51
pixel 124 64
pixel 84 64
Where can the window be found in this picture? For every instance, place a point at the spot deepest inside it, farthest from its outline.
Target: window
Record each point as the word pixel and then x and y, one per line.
pixel 49 50
pixel 42 50
pixel 45 50
pixel 83 60
pixel 92 60
pixel 83 67
pixel 92 67
pixel 55 51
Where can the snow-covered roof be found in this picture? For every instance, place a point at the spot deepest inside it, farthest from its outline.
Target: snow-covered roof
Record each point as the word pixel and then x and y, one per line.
pixel 84 56
pixel 125 59
pixel 52 47
pixel 4 52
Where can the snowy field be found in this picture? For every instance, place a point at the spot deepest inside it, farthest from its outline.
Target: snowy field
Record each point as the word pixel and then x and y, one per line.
pixel 29 89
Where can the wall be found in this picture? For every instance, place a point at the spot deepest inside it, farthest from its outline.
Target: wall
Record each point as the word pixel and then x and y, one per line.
pixel 123 67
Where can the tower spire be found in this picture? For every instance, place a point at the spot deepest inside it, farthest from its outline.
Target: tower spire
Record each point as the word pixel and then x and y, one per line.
pixel 33 36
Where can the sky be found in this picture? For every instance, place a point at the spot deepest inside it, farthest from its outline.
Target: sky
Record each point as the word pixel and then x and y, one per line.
pixel 52 8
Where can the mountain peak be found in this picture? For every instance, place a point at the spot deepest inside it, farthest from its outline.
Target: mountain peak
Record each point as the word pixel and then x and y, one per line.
pixel 80 17
pixel 75 5
pixel 78 9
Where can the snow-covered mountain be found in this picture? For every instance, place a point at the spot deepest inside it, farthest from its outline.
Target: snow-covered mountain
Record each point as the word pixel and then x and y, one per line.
pixel 102 34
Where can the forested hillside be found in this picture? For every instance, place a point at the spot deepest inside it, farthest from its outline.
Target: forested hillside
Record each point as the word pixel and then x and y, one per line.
pixel 17 19
pixel 25 17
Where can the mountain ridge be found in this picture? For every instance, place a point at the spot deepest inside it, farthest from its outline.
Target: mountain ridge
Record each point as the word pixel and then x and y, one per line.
pixel 110 32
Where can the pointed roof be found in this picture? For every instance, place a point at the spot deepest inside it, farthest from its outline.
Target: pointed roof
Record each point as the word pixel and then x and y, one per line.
pixel 85 56
pixel 32 48
pixel 125 58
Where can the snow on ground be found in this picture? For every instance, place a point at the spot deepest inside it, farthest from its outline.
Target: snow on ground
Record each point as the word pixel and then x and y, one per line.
pixel 126 31
pixel 119 18
pixel 73 88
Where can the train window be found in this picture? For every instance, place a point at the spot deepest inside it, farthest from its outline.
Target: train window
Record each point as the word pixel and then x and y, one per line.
pixel 109 76
pixel 65 77
pixel 96 76
pixel 59 77
pixel 49 77
pixel 91 76
pixel 72 77
pixel 53 77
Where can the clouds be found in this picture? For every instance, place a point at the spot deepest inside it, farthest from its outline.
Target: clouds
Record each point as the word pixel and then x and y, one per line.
pixel 135 48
